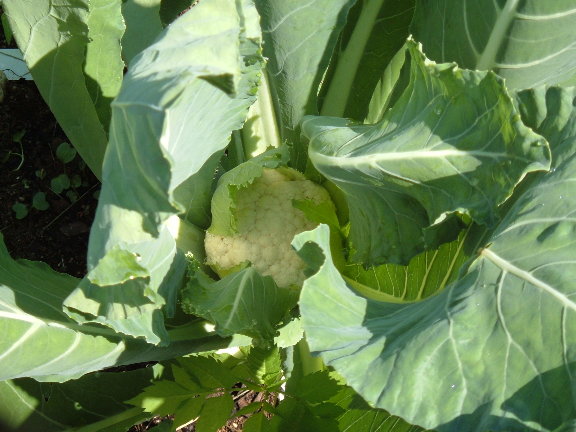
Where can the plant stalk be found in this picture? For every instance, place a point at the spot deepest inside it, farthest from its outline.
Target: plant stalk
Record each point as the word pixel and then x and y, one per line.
pixel 348 62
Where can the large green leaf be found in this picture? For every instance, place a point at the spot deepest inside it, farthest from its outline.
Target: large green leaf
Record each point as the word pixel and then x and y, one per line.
pixel 493 351
pixel 425 275
pixel 299 39
pixel 143 25
pixel 104 66
pixel 59 40
pixel 244 302
pixel 321 401
pixel 199 392
pixel 179 103
pixel 359 416
pixel 96 399
pixel 374 32
pixel 529 42
pixel 549 111
pixel 452 142
pixel 39 340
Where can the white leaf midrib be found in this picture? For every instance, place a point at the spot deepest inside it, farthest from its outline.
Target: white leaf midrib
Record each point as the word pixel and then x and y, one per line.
pixel 528 277
pixel 373 159
pixel 505 17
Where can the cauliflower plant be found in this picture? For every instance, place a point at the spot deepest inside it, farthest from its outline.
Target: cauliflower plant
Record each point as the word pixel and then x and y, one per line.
pixel 266 223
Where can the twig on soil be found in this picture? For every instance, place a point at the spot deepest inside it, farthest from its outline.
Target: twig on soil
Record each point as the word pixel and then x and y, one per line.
pixel 70 206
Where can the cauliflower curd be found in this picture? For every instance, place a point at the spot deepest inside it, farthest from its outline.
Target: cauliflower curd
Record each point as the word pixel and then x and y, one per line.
pixel 266 224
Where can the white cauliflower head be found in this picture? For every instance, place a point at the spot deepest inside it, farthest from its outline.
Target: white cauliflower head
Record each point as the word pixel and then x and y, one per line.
pixel 266 224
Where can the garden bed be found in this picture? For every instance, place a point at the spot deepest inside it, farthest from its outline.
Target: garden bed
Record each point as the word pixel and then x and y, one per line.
pixel 56 230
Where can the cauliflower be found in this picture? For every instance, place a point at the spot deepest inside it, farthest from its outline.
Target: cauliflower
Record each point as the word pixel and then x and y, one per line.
pixel 266 224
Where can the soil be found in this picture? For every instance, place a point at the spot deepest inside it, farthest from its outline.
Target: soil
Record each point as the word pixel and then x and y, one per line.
pixel 29 138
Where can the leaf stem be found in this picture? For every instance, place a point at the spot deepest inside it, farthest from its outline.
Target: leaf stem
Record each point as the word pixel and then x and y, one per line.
pixel 498 34
pixel 345 73
pixel 261 129
pixel 373 294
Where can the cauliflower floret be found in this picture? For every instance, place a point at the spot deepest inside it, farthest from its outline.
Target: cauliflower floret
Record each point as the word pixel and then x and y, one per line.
pixel 266 224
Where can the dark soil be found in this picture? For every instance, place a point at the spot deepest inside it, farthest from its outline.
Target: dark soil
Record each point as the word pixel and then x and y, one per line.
pixel 29 137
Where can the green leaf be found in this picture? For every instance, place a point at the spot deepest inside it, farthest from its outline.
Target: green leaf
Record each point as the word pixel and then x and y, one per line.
pixel 322 401
pixel 294 415
pixel 215 413
pixel 161 398
pixel 209 373
pixel 299 37
pixel 451 130
pixel 54 41
pixel 117 266
pixel 40 341
pixel 306 406
pixel 39 201
pixel 528 43
pixel 143 26
pixel 20 210
pixel 290 334
pixel 180 100
pixel 65 152
pixel 260 132
pixel 265 365
pixel 60 183
pixel 223 204
pixel 501 332
pixel 201 388
pixel 189 239
pixel 256 423
pixel 134 283
pixel 388 88
pixel 549 111
pixel 569 426
pixel 427 273
pixel 243 302
pixel 375 31
pixel 358 415
pixel 104 67
pixel 196 193
pixel 317 387
pixel 26 404
pixel 319 213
